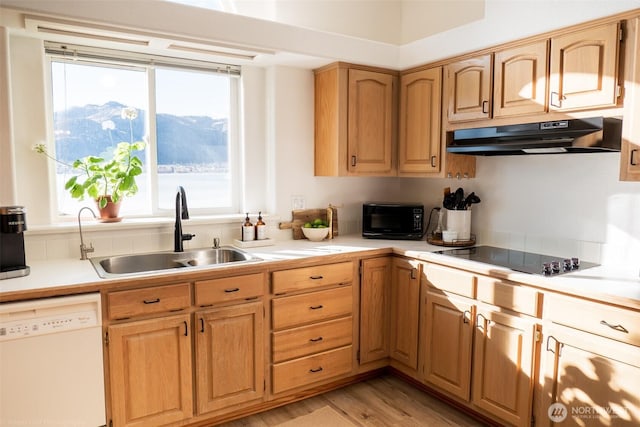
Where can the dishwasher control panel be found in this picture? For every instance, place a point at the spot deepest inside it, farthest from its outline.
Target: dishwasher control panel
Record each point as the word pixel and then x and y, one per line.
pixel 47 325
pixel 49 316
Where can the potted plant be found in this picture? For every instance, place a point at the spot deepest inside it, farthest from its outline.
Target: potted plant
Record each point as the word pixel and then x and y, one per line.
pixel 106 181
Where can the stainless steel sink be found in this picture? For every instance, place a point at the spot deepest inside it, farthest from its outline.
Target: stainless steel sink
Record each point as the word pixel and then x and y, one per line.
pixel 127 265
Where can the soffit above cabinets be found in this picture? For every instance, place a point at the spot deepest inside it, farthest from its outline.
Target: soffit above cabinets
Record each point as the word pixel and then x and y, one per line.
pixel 141 41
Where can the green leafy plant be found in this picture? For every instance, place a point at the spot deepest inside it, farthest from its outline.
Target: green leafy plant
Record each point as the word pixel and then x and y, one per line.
pixel 101 178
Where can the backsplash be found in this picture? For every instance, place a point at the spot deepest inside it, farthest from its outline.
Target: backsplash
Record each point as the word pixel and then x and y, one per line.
pixel 43 244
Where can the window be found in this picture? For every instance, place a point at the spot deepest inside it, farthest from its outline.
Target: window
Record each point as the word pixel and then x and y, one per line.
pixel 187 116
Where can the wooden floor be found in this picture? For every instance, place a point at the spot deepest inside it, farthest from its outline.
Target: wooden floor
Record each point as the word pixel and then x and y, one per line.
pixel 381 402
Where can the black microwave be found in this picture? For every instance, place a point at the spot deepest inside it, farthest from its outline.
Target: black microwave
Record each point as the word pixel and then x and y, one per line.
pixel 393 221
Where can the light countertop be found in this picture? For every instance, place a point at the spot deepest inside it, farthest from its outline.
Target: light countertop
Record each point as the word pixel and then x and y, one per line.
pixel 607 283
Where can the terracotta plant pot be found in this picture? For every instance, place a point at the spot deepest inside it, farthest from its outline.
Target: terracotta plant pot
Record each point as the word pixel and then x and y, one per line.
pixel 110 212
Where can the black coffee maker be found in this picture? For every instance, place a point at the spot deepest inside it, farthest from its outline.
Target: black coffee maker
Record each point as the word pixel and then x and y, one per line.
pixel 12 226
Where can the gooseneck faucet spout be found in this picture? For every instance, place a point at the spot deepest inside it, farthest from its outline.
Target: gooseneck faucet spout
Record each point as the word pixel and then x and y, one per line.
pixel 182 212
pixel 84 250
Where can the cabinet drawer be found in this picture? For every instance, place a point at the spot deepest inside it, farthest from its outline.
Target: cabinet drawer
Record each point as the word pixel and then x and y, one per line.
pixel 311 307
pixel 311 369
pixel 138 302
pixel 600 319
pixel 451 280
pixel 228 289
pixel 312 277
pixel 510 296
pixel 298 342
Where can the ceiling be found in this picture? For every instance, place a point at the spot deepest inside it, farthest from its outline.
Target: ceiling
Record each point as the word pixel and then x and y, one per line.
pixel 395 22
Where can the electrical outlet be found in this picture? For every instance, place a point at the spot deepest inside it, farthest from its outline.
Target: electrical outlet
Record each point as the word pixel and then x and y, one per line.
pixel 297 202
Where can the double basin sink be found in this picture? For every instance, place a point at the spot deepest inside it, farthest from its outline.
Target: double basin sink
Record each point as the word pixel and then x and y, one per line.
pixel 127 265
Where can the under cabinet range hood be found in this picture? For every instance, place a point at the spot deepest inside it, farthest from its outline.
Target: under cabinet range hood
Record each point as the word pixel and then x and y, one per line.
pixel 597 134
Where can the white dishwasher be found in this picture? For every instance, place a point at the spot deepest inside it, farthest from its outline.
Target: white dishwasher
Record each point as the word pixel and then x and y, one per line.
pixel 51 371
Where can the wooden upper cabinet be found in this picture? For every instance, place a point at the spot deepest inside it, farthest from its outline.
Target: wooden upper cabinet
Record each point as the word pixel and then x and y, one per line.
pixel 355 121
pixel 371 122
pixel 520 80
pixel 630 152
pixel 419 143
pixel 468 85
pixel 584 69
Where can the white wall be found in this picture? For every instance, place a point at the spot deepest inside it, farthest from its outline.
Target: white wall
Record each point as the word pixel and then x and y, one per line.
pixel 561 204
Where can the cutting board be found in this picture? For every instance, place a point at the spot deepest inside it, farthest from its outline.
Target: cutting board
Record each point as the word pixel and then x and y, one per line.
pixel 302 216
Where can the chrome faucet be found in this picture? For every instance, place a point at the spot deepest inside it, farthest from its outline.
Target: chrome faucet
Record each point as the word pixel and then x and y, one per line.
pixel 84 250
pixel 182 212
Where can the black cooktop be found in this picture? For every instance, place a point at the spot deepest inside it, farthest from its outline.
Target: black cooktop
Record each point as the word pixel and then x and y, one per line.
pixel 526 262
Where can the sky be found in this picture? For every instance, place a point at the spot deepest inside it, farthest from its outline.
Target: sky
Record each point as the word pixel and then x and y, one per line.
pixel 180 92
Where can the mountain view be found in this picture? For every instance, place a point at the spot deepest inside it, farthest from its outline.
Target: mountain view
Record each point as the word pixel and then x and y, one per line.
pixel 183 141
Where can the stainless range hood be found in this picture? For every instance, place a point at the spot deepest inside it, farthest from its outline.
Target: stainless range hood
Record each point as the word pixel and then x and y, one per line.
pixel 597 134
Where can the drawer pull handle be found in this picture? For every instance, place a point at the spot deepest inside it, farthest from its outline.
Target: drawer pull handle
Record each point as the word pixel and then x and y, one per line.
pixel 316 339
pixel 313 371
pixel 632 157
pixel 151 301
pixel 316 307
pixel 232 290
pixel 618 328
pixel 316 277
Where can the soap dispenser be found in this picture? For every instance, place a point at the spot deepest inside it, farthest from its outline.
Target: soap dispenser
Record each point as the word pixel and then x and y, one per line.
pixel 248 232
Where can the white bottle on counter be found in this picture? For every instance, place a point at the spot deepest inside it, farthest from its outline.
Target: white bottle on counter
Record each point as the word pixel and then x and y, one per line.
pixel 261 228
pixel 248 232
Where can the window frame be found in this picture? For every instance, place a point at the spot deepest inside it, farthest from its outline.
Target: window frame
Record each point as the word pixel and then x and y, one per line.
pixel 149 64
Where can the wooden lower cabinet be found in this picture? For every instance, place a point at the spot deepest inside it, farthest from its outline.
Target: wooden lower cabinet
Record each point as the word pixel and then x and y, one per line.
pixel 503 365
pixel 150 371
pixel 589 380
pixel 478 353
pixel 308 370
pixel 312 327
pixel 448 321
pixel 375 293
pixel 229 356
pixel 405 311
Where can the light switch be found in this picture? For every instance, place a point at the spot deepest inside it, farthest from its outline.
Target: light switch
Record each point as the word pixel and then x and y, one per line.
pixel 297 202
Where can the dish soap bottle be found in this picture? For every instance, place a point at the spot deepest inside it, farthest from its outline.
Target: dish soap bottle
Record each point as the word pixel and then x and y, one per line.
pixel 248 232
pixel 261 228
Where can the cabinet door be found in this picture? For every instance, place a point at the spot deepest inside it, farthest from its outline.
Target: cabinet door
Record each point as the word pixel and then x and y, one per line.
pixel 150 372
pixel 447 343
pixel 584 69
pixel 520 80
pixel 375 292
pixel 420 112
pixel 230 363
pixel 503 365
pixel 468 86
pixel 405 308
pixel 630 151
pixel 589 380
pixel 371 122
